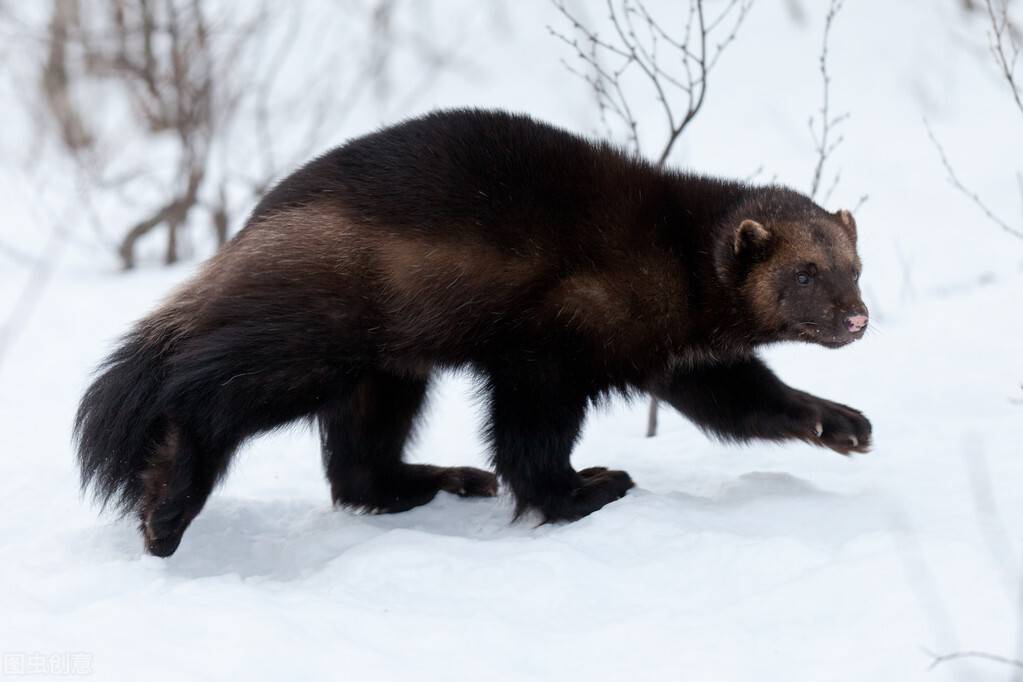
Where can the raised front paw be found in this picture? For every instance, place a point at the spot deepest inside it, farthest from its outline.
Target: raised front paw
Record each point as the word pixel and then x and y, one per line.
pixel 833 425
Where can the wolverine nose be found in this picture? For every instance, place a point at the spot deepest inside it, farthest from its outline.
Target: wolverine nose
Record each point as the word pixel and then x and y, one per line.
pixel 855 323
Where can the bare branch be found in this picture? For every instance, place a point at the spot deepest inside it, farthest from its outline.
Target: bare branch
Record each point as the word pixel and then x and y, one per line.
pixel 1004 46
pixel 823 131
pixel 1003 39
pixel 55 78
pixel 965 191
pixel 651 418
pixel 982 655
pixel 674 67
pixel 204 78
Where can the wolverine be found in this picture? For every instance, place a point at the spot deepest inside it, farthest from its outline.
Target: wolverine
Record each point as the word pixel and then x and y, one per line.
pixel 557 269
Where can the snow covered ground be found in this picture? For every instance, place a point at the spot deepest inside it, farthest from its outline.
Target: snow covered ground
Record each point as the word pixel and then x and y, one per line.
pixel 757 563
pixel 726 563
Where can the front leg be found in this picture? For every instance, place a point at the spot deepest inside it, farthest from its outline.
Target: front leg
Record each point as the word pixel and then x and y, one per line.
pixel 742 399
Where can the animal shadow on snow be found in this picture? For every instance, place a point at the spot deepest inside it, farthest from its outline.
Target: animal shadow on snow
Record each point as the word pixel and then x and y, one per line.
pixel 776 504
pixel 293 539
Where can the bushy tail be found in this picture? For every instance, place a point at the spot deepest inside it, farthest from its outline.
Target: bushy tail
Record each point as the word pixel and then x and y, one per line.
pixel 120 421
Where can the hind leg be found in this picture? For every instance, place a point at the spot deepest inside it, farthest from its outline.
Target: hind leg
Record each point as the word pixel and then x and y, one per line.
pixel 364 435
pixel 176 485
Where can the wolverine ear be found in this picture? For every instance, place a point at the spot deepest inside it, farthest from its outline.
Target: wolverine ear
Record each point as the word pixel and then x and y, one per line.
pixel 751 237
pixel 848 223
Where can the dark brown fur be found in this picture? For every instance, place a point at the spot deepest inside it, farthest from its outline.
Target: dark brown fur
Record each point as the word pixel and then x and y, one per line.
pixel 558 269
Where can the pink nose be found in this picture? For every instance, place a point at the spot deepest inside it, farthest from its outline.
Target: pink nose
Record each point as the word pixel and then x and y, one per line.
pixel 855 323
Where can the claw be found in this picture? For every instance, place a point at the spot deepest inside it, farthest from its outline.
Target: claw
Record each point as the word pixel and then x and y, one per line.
pixel 818 429
pixel 854 440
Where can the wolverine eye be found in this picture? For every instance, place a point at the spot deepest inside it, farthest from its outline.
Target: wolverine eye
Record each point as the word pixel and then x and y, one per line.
pixel 803 278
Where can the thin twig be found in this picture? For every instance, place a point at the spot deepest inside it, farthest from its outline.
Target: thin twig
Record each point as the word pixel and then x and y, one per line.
pixel 983 655
pixel 965 191
pixel 677 75
pixel 823 142
pixel 1004 47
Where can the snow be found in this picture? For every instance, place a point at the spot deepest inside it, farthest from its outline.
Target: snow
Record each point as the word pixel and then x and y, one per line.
pixel 762 562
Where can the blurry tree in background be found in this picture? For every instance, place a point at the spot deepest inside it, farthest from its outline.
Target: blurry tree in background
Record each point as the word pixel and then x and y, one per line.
pixel 154 116
pixel 173 67
pixel 183 110
pixel 673 64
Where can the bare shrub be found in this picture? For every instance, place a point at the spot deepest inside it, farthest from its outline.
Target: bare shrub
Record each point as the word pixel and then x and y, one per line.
pixel 637 52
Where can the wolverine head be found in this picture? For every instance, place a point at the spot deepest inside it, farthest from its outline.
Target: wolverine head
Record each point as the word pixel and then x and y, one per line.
pixel 798 274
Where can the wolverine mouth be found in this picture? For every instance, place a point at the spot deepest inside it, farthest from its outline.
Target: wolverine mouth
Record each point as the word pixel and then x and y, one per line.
pixel 834 343
pixel 809 332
